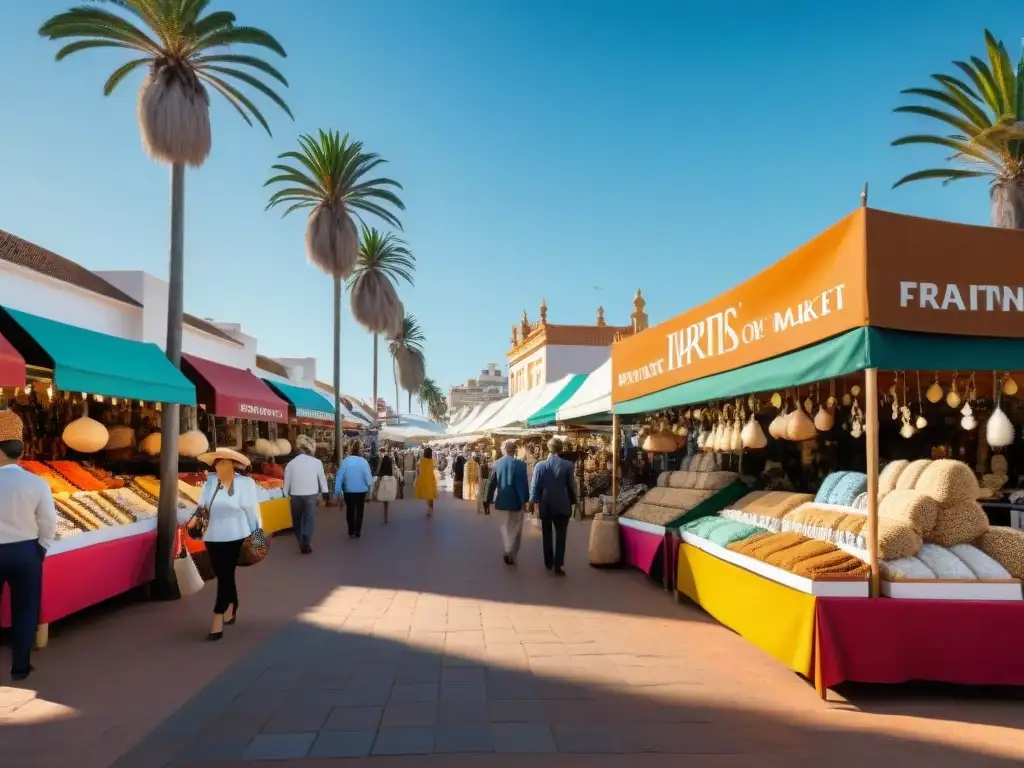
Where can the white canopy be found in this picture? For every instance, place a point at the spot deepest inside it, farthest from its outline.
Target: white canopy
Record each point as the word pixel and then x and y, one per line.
pixel 472 426
pixel 524 405
pixel 455 426
pixel 411 428
pixel 593 398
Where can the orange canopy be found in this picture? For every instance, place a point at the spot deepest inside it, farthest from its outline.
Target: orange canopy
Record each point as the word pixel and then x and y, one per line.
pixel 872 268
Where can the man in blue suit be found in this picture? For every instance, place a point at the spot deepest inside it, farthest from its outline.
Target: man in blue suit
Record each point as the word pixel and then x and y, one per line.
pixel 554 489
pixel 508 491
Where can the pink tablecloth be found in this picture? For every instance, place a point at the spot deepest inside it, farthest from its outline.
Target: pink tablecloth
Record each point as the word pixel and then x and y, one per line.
pixel 640 548
pixel 84 577
pixel 895 641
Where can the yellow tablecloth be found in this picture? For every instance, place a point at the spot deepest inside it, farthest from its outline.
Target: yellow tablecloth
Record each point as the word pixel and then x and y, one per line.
pixel 275 515
pixel 777 619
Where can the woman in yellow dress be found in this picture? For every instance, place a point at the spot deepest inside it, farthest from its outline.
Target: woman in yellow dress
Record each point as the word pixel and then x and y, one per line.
pixel 471 478
pixel 425 486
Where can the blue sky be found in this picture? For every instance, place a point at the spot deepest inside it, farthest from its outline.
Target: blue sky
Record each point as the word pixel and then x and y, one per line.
pixel 568 149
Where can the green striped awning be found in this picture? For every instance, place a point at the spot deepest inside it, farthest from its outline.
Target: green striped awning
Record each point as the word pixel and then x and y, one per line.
pixel 547 414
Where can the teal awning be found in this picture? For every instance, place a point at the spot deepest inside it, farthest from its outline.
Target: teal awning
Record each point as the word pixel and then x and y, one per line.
pixel 100 364
pixel 838 356
pixel 309 404
pixel 546 415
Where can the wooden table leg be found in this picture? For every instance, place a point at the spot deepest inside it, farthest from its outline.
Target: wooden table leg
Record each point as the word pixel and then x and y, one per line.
pixel 42 636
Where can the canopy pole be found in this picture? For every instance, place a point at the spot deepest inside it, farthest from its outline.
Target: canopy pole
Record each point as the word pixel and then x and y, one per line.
pixel 616 450
pixel 871 436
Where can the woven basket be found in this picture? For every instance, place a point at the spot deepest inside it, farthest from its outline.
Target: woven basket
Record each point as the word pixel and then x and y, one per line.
pixel 604 548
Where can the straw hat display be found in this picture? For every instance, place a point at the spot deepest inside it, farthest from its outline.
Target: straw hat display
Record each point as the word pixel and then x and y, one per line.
pixel 212 457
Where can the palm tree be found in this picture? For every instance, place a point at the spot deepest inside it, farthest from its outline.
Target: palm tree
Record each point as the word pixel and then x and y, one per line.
pixel 986 111
pixel 428 394
pixel 330 180
pixel 439 411
pixel 182 48
pixel 383 260
pixel 406 350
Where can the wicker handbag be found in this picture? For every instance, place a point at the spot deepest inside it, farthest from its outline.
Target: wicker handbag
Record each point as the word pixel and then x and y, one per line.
pixel 254 548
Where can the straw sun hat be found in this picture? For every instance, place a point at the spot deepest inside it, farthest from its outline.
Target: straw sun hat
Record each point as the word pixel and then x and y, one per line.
pixel 212 457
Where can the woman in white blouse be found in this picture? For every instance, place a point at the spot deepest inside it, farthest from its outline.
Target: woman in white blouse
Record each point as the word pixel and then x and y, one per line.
pixel 233 505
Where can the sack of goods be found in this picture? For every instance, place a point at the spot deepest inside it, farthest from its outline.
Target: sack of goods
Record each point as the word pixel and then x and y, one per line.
pixel 605 548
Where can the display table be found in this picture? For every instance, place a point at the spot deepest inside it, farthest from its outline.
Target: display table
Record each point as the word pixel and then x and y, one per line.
pixel 83 577
pixel 896 641
pixel 777 619
pixel 275 515
pixel 641 543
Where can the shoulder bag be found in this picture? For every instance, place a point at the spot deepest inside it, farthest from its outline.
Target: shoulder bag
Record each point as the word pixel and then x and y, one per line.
pixel 200 520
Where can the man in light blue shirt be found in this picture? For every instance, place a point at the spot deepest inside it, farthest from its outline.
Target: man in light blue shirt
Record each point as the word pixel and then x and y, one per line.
pixel 353 483
pixel 554 489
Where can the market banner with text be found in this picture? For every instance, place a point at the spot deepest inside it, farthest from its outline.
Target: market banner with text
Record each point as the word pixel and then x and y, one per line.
pixel 816 292
pixel 934 276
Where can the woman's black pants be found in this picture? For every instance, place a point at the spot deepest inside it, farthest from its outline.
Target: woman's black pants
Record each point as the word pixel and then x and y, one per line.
pixel 354 503
pixel 224 561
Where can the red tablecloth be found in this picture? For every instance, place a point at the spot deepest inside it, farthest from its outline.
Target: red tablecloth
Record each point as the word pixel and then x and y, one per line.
pixel 84 577
pixel 640 548
pixel 896 641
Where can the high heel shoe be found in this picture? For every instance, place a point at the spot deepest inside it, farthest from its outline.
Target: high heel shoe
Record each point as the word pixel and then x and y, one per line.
pixel 215 636
pixel 234 616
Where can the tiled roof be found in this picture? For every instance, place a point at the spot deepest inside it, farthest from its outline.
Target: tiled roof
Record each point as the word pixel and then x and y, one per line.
pixel 15 250
pixel 21 252
pixel 270 365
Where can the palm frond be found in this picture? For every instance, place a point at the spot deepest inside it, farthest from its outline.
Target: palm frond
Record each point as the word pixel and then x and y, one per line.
pixel 384 253
pixel 179 35
pixel 331 169
pixel 983 108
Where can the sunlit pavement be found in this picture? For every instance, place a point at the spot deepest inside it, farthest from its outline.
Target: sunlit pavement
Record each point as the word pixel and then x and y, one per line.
pixel 416 645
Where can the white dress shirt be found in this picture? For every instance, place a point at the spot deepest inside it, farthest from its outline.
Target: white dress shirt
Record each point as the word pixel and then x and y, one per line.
pixel 304 476
pixel 232 516
pixel 26 508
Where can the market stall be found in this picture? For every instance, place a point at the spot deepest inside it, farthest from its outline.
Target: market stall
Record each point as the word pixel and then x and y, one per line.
pixel 810 352
pixel 87 400
pixel 239 411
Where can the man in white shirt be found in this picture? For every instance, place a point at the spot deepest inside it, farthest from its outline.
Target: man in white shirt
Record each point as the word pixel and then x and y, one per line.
pixel 28 526
pixel 304 481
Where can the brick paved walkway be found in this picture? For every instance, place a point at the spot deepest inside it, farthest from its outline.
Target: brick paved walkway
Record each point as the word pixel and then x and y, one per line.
pixel 416 645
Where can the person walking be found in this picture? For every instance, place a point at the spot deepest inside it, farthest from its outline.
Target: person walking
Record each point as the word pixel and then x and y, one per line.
pixel 458 473
pixel 507 489
pixel 425 486
pixel 485 474
pixel 386 490
pixel 304 482
pixel 554 490
pixel 471 478
pixel 28 527
pixel 354 482
pixel 231 505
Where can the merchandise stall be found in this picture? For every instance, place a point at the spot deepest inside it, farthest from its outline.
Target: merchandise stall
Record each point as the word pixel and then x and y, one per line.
pixel 882 371
pixel 240 411
pixel 88 400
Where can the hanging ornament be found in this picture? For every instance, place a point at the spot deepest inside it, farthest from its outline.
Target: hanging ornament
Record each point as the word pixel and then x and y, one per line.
pixel 1009 385
pixel 999 429
pixel 934 393
pixel 953 398
pixel 823 420
pixel 856 415
pixel 968 421
pixel 831 403
pixel 736 443
pixel 753 436
pixel 776 400
pixel 907 430
pixel 799 426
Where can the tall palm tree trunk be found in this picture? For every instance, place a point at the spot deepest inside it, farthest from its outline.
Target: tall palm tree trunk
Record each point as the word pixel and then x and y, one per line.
pixel 375 357
pixel 339 435
pixel 394 370
pixel 167 514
